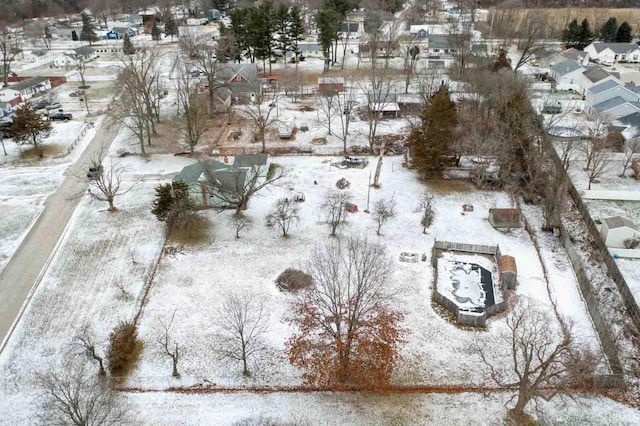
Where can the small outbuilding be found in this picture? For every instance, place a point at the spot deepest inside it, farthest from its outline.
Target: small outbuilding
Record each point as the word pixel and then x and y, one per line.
pixel 508 271
pixel 504 218
pixel 616 230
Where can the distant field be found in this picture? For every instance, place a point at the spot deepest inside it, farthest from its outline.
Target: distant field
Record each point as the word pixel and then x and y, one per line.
pixel 557 19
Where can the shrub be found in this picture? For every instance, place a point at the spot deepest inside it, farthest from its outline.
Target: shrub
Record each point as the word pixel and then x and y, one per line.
pixel 293 280
pixel 186 226
pixel 124 348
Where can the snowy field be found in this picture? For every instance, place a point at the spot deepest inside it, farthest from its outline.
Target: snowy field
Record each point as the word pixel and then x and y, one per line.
pixel 191 282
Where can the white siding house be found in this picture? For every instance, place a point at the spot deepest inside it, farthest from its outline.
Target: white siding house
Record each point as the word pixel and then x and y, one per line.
pixel 609 53
pixel 617 107
pixel 567 74
pixel 26 89
pixel 616 230
pixel 609 90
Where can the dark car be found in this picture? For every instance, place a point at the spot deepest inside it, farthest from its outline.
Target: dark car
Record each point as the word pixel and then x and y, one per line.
pixel 60 116
pixel 94 172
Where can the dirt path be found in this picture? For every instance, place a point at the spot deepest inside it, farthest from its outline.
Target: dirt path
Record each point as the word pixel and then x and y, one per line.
pixel 25 269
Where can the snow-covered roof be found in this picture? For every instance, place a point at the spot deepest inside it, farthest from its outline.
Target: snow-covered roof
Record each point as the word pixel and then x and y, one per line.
pixel 610 103
pixel 385 107
pixel 603 87
pixel 595 74
pixel 566 67
pixel 35 81
pixel 619 222
pixel 574 54
pixel 619 48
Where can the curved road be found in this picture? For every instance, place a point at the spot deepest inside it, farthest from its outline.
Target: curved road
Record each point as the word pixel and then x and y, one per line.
pixel 28 264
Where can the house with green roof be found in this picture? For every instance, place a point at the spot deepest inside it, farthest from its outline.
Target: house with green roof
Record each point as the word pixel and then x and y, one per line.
pixel 214 184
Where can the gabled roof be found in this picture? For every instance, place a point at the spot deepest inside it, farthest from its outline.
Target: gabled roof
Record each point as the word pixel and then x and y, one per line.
pixel 619 48
pixel 633 88
pixel 610 103
pixel 35 81
pixel 574 54
pixel 439 42
pixel 566 67
pixel 229 71
pixel 603 87
pixel 619 222
pixel 595 74
pixel 632 120
pixel 250 160
pixel 309 47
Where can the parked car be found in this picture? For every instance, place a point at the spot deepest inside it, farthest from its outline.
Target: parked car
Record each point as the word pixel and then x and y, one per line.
pixel 41 104
pixel 94 172
pixel 76 93
pixel 54 105
pixel 60 116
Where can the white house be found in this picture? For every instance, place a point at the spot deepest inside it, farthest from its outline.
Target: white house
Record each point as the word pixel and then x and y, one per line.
pixel 26 89
pixel 567 74
pixel 70 58
pixel 576 55
pixel 616 230
pixel 610 53
pixel 609 90
pixel 617 107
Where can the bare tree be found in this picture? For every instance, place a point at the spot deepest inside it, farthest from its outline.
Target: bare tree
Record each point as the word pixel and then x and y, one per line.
pixel 535 357
pixel 428 81
pixel 243 322
pixel 202 54
pixel 427 210
pixel 327 104
pixel 81 67
pixel 130 112
pixel 9 49
pixel 334 208
pixel 630 150
pixel 345 102
pixel 239 221
pixel 410 53
pixel 85 342
pixel 284 212
pixel 383 211
pixel 171 349
pixel 71 396
pixel 600 164
pixel 529 36
pixel 379 89
pixel 261 114
pixel 235 188
pixel 39 33
pixel 192 113
pixel 348 335
pixel 106 182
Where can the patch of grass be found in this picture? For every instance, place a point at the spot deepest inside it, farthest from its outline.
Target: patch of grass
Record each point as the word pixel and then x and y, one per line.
pixel 191 230
pixel 42 151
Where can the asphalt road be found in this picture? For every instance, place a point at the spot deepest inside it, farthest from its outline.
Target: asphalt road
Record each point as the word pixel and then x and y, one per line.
pixel 25 269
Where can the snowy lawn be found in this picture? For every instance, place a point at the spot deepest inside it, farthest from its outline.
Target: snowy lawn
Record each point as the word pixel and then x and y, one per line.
pixel 17 219
pixel 96 278
pixel 194 282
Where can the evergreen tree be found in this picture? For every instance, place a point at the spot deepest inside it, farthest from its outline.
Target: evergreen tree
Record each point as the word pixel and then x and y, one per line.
pixel 430 141
pixel 156 34
pixel 29 127
pixel 87 33
pixel 74 35
pixel 571 34
pixel 171 28
pixel 127 46
pixel 586 36
pixel 260 30
pixel 296 28
pixel 624 33
pixel 281 27
pixel 328 23
pixel 168 196
pixel 239 24
pixel 609 30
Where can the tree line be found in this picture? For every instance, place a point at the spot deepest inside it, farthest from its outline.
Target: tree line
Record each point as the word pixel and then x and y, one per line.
pixel 580 35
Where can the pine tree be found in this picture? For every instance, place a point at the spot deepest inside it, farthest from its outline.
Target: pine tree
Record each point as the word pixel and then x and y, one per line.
pixel 167 196
pixel 29 127
pixel 156 34
pixel 571 34
pixel 328 22
pixel 281 26
pixel 430 141
pixel 171 28
pixel 624 33
pixel 127 46
pixel 609 30
pixel 296 29
pixel 87 33
pixel 74 35
pixel 586 36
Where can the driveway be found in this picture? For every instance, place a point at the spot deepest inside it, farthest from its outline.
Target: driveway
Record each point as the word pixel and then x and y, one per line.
pixel 25 269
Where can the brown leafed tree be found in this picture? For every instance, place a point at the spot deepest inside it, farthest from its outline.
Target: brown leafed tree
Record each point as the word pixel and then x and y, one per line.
pixel 535 356
pixel 347 334
pixel 29 127
pixel 243 322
